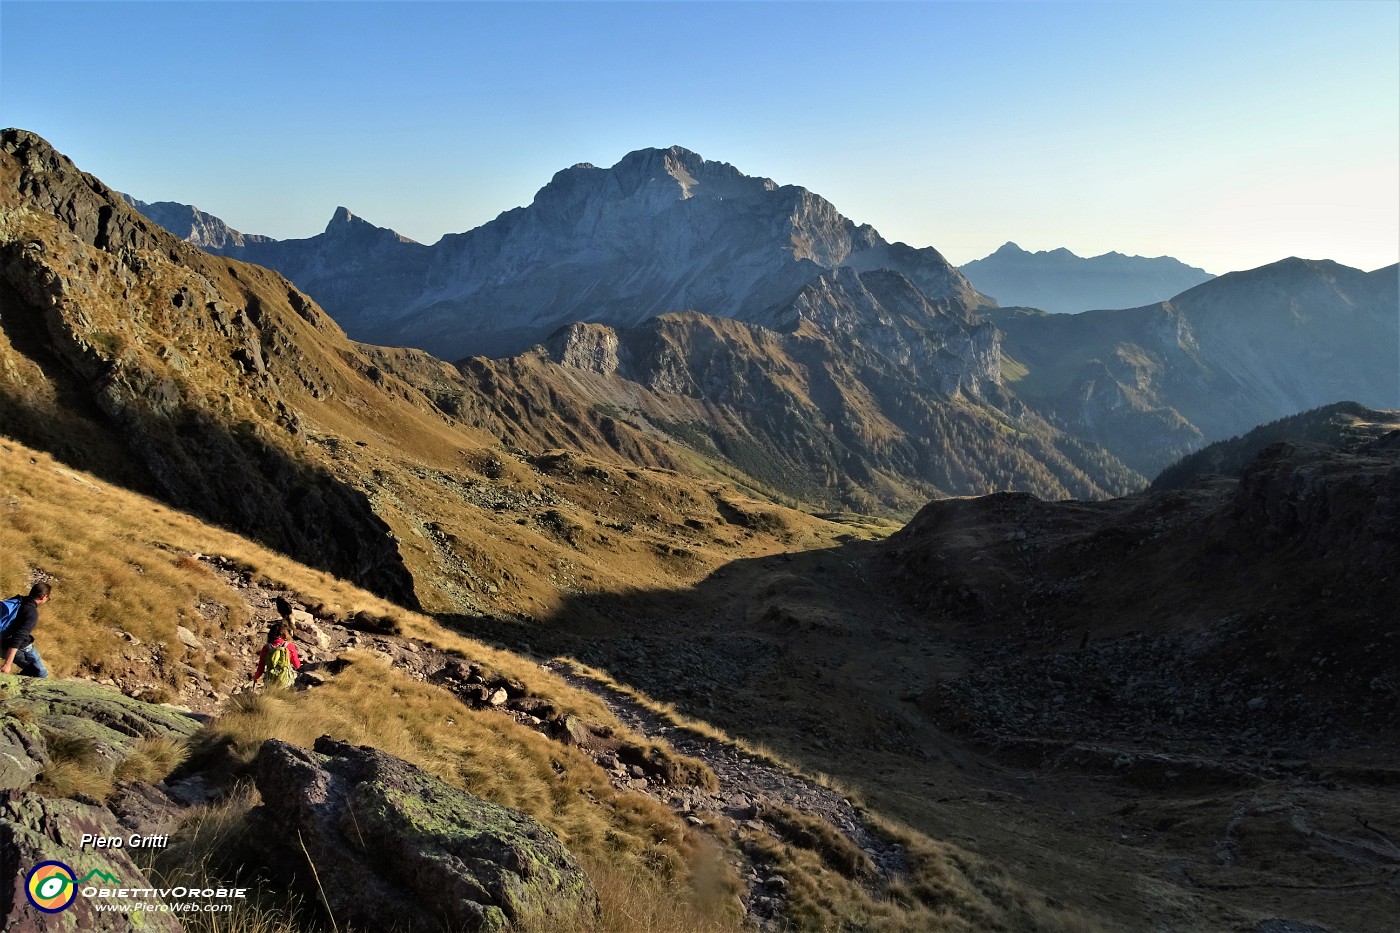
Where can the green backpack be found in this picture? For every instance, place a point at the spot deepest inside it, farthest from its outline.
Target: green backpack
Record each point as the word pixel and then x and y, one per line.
pixel 279 669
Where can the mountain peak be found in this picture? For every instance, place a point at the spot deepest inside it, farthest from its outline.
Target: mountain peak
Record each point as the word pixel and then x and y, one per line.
pixel 342 218
pixel 343 223
pixel 1059 280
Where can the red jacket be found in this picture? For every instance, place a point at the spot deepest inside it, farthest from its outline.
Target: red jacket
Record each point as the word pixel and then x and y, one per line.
pixel 291 655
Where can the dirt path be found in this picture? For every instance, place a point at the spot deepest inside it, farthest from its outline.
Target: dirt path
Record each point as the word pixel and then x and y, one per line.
pixel 748 786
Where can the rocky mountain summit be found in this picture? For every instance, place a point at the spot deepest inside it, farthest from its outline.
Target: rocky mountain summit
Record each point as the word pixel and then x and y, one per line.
pixel 661 231
pixel 1060 282
pixel 666 231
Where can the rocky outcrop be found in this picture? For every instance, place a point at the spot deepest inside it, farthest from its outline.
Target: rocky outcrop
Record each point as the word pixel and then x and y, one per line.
pixel 389 840
pixel 590 347
pixel 102 721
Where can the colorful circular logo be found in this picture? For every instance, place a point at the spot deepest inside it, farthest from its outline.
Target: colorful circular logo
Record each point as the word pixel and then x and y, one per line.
pixel 51 887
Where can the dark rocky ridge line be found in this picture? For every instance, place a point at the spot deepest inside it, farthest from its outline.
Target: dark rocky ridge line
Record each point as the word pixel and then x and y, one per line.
pixel 1252 612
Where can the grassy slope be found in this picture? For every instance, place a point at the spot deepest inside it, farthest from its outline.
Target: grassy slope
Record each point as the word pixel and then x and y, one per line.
pixel 121 562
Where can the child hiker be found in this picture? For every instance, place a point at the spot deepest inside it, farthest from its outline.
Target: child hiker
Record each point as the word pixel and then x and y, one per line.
pixel 279 659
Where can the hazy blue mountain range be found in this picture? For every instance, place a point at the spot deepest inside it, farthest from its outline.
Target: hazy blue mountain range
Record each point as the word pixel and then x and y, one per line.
pixel 1059 281
pixel 1155 382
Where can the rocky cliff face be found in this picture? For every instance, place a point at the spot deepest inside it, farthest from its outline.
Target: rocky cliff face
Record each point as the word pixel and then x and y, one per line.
pixel 860 394
pixel 660 231
pixel 194 226
pixel 1061 282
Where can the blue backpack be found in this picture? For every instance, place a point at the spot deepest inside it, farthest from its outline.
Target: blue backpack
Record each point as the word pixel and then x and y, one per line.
pixel 9 610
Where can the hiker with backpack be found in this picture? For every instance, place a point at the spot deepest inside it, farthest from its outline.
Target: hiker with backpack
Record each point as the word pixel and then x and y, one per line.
pixel 279 659
pixel 18 616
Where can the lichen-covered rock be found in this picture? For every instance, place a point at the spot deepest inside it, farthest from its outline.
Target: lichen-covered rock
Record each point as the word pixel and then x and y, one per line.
pixel 389 840
pixel 22 754
pixel 33 712
pixel 35 829
pixel 101 713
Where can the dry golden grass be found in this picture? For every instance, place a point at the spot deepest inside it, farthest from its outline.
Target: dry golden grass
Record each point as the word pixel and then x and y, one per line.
pixel 499 760
pixel 946 891
pixel 633 903
pixel 209 844
pixel 121 563
pixel 75 769
pixel 151 759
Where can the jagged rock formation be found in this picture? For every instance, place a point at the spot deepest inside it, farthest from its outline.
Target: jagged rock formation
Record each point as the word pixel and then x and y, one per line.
pixel 194 226
pixel 661 231
pixel 387 839
pixel 1152 383
pixel 1061 282
pixel 866 398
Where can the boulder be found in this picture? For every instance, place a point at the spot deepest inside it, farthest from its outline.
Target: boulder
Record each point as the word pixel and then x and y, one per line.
pixel 387 839
pixel 35 829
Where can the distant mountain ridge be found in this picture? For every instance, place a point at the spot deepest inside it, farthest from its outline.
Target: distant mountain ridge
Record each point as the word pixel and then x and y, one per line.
pixel 194 226
pixel 1153 383
pixel 661 231
pixel 666 231
pixel 1060 282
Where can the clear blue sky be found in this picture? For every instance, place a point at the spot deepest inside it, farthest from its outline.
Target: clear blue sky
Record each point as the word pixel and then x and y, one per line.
pixel 1228 134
